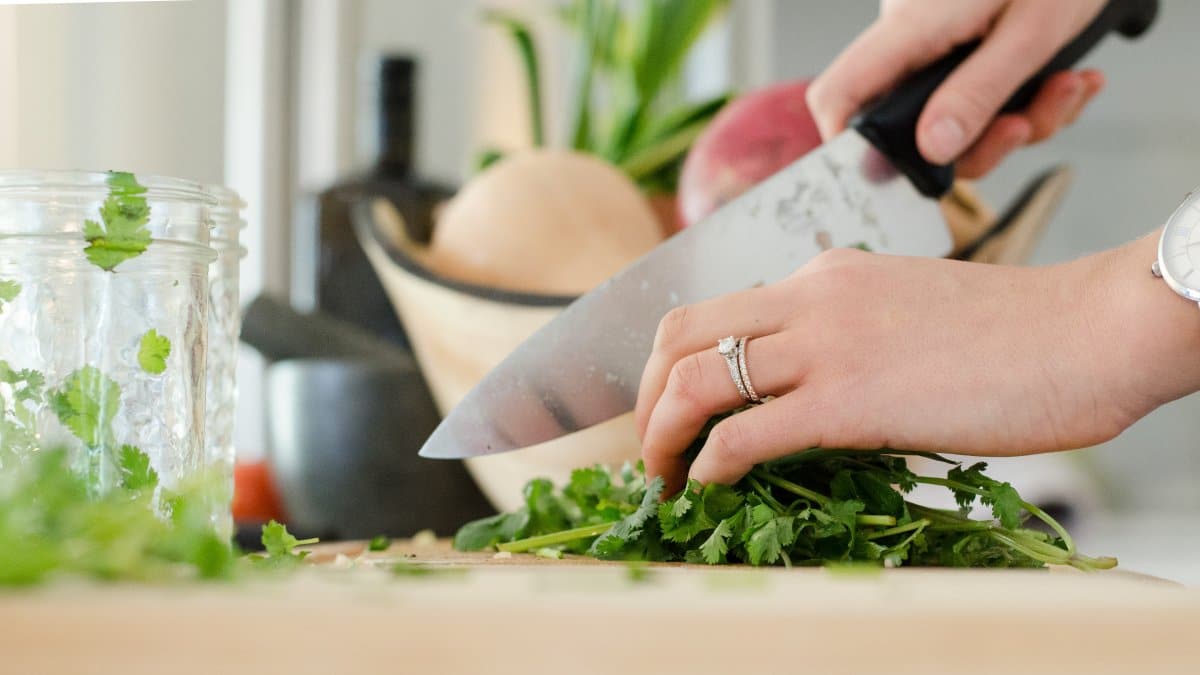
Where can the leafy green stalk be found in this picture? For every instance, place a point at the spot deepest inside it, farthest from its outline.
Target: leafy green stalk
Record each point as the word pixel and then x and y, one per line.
pixel 555 538
pixel 523 39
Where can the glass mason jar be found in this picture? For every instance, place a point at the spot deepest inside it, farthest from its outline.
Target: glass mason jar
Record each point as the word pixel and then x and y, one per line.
pixel 103 320
pixel 224 329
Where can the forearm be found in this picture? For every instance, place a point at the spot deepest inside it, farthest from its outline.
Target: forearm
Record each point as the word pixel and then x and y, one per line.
pixel 1152 334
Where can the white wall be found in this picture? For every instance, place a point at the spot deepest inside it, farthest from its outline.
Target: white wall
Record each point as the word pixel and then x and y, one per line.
pixel 132 86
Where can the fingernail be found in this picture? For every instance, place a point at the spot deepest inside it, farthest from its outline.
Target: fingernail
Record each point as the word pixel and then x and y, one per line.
pixel 945 140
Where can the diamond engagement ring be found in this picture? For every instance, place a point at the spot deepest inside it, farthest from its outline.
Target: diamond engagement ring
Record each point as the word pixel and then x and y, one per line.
pixel 732 349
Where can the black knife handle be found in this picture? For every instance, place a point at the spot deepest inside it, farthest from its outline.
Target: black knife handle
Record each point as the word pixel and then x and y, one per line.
pixel 891 123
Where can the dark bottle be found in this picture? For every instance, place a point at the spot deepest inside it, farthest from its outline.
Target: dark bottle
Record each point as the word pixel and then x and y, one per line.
pixel 347 287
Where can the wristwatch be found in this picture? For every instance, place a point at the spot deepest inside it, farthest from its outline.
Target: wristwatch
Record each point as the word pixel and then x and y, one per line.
pixel 1178 261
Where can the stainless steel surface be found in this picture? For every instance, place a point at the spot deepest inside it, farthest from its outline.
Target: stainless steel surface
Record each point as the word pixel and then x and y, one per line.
pixel 584 366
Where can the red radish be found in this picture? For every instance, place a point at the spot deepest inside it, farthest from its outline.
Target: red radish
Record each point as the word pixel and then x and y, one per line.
pixel 751 138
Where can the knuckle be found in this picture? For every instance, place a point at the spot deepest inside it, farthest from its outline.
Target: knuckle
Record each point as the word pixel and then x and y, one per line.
pixel 672 328
pixel 729 441
pixel 973 106
pixel 835 258
pixel 817 96
pixel 685 382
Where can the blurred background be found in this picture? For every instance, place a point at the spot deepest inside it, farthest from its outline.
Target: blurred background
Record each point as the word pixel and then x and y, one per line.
pixel 285 99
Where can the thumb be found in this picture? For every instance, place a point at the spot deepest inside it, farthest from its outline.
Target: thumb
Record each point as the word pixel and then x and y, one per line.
pixel 1024 39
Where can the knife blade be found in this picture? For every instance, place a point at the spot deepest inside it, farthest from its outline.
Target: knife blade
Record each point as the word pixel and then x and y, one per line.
pixel 869 187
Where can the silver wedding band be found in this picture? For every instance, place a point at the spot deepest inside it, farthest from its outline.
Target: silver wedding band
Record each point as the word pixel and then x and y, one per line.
pixel 734 351
pixel 751 395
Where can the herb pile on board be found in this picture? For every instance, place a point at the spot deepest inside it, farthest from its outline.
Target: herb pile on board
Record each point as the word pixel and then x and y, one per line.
pixel 816 507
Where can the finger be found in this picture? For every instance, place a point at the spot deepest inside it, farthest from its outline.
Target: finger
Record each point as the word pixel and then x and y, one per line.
pixel 692 328
pixel 778 428
pixel 1093 84
pixel 1024 39
pixel 701 386
pixel 1061 95
pixel 876 60
pixel 1005 135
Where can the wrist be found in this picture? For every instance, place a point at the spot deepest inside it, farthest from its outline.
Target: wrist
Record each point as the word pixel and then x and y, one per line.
pixel 1152 333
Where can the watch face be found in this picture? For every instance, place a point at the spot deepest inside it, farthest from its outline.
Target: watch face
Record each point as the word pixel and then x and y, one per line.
pixel 1179 250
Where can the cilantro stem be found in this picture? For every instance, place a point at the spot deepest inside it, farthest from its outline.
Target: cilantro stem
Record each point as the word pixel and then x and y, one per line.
pixel 1032 509
pixel 766 495
pixel 917 525
pixel 1054 524
pixel 798 490
pixel 1025 545
pixel 871 520
pixel 555 538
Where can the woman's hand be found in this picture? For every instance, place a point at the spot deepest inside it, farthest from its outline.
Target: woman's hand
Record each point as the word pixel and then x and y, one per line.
pixel 960 122
pixel 871 351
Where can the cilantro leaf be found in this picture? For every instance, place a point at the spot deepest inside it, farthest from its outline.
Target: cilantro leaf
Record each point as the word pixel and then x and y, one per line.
pixel 716 547
pixel 684 517
pixel 86 404
pixel 153 351
pixel 136 472
pixel 770 541
pixel 1006 505
pixel 121 233
pixel 9 290
pixel 280 548
pixel 379 543
pixel 721 501
pixel 487 532
pixel 624 536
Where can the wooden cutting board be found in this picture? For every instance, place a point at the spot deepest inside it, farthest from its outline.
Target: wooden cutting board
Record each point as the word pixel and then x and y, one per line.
pixel 474 613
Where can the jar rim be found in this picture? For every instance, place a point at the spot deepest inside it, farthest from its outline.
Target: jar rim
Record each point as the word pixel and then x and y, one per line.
pixel 160 188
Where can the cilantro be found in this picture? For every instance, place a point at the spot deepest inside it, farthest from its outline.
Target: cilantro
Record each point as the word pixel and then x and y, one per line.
pixel 86 404
pixel 136 472
pixel 9 290
pixel 624 537
pixel 153 351
pixel 280 545
pixel 379 543
pixel 831 507
pixel 19 402
pixel 716 546
pixel 122 233
pixel 279 542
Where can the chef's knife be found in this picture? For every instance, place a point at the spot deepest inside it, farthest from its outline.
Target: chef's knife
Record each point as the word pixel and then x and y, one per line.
pixel 867 187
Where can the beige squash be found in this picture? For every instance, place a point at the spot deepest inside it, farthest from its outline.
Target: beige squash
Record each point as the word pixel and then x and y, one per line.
pixel 543 221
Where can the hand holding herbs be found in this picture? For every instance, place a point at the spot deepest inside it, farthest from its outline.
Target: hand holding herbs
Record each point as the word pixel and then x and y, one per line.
pixel 817 507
